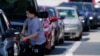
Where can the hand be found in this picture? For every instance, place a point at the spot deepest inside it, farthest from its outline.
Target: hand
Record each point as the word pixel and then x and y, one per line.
pixel 24 39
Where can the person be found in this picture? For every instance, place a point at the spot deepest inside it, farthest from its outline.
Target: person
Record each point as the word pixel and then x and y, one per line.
pixel 35 33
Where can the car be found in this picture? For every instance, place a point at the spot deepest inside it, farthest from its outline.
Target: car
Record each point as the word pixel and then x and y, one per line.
pixel 52 25
pixel 49 29
pixel 72 24
pixel 81 13
pixel 98 16
pixel 6 31
pixel 91 15
pixel 15 11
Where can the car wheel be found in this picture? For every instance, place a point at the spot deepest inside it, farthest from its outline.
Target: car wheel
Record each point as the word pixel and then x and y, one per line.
pixel 87 28
pixel 53 39
pixel 56 38
pixel 78 38
pixel 62 40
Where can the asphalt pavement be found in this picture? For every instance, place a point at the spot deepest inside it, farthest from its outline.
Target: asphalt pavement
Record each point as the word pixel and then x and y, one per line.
pixel 89 45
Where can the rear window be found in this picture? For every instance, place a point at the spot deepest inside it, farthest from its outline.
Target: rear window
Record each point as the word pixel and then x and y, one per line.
pixel 15 9
pixel 75 4
pixel 51 12
pixel 67 13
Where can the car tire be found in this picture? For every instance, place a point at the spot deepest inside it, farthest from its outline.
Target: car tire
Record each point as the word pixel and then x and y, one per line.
pixel 87 29
pixel 47 51
pixel 62 39
pixel 79 38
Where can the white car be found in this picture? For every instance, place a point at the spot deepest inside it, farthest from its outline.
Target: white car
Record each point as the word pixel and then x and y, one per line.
pixel 72 24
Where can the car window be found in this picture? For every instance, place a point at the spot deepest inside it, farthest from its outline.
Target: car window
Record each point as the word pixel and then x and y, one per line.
pixel 51 12
pixel 89 7
pixel 78 5
pixel 15 9
pixel 66 13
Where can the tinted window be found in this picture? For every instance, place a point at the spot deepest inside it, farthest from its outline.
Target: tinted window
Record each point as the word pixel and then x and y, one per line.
pixel 51 12
pixel 15 9
pixel 66 12
pixel 78 5
pixel 88 7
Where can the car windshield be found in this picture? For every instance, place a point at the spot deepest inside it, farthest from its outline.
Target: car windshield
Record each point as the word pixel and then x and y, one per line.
pixel 67 13
pixel 78 5
pixel 89 7
pixel 15 9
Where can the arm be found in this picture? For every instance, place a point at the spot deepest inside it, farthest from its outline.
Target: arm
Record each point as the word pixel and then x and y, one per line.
pixel 23 29
pixel 24 26
pixel 35 31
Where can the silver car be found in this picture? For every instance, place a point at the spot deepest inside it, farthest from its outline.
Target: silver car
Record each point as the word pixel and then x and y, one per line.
pixel 72 24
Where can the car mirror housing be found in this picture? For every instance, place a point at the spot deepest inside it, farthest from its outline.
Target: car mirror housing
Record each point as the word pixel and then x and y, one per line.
pixel 11 32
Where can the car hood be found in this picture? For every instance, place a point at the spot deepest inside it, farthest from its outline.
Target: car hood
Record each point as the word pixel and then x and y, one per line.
pixel 71 21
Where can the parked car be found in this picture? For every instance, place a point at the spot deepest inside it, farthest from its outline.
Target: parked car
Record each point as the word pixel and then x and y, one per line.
pixel 91 15
pixel 52 26
pixel 81 13
pixel 5 32
pixel 15 11
pixel 72 24
pixel 98 16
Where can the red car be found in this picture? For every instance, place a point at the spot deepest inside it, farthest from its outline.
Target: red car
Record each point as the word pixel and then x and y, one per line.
pixel 53 27
pixel 49 29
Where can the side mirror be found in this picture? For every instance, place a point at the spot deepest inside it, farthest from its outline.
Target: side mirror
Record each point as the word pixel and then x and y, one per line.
pixel 53 19
pixel 11 32
pixel 43 14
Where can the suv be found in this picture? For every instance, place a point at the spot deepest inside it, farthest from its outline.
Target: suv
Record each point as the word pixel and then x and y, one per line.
pixel 15 10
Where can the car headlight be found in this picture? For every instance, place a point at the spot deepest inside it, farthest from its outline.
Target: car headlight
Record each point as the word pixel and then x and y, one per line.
pixel 83 21
pixel 90 18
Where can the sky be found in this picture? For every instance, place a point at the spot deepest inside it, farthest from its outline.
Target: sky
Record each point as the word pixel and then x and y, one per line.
pixel 50 2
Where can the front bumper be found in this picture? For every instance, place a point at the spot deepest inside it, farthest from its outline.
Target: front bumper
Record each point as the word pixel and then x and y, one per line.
pixel 72 33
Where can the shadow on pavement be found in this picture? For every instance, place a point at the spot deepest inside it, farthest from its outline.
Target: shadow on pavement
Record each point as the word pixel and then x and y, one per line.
pixel 58 51
pixel 85 33
pixel 62 48
pixel 85 39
